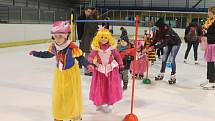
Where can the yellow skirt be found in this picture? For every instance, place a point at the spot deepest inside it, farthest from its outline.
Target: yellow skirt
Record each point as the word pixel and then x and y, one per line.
pixel 67 95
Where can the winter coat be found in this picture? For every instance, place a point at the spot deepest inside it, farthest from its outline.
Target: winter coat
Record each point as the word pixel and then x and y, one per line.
pixel 90 29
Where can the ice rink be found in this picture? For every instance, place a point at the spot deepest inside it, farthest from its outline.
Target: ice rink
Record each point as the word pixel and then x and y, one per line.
pixel 25 90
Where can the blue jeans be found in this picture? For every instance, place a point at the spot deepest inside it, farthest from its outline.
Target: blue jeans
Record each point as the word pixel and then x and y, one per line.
pixel 174 51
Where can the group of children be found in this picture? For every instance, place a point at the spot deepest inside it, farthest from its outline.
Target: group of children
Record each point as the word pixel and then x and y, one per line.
pixel 127 54
pixel 108 61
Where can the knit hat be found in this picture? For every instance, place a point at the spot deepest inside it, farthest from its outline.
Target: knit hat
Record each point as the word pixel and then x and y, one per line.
pixel 160 22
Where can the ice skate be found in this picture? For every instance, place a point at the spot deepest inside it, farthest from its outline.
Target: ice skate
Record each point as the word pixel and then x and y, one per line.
pixel 196 62
pixel 100 108
pixel 125 87
pixel 209 86
pixel 108 109
pixel 159 77
pixel 172 80
pixel 141 76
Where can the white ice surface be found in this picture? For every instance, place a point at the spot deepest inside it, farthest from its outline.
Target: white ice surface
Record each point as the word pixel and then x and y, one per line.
pixel 25 91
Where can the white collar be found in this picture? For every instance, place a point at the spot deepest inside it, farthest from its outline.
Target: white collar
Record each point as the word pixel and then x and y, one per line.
pixel 63 46
pixel 109 49
pixel 100 50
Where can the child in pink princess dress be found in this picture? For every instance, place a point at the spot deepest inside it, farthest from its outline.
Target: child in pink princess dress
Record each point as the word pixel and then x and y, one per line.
pixel 105 88
pixel 141 63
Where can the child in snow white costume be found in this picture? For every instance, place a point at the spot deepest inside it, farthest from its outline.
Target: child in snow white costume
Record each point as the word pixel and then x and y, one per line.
pixel 67 97
pixel 105 87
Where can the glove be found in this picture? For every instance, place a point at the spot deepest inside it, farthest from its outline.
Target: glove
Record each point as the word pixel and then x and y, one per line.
pixel 90 68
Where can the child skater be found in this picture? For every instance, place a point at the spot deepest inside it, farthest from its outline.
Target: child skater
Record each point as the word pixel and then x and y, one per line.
pixel 141 63
pixel 151 54
pixel 67 97
pixel 127 55
pixel 209 40
pixel 105 88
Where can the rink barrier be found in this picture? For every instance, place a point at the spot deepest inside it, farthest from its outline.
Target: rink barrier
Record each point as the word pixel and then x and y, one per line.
pixel 106 21
pixel 22 43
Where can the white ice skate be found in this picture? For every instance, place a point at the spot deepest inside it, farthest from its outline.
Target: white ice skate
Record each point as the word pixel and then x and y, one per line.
pixel 185 61
pixel 196 62
pixel 208 86
pixel 203 84
pixel 108 109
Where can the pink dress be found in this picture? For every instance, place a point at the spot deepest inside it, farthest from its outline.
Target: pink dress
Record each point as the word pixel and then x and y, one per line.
pixel 106 84
pixel 210 53
pixel 141 64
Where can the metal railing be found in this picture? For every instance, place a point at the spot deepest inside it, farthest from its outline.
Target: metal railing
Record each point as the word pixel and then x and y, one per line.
pixel 154 3
pixel 34 11
pixel 175 19
pixel 18 15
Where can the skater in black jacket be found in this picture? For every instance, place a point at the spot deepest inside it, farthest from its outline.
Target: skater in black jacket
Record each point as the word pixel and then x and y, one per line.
pixel 172 42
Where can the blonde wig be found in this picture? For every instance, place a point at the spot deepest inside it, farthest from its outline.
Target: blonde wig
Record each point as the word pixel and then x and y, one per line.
pixel 103 33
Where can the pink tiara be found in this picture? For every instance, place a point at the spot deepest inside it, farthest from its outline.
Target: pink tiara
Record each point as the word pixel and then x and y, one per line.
pixel 102 28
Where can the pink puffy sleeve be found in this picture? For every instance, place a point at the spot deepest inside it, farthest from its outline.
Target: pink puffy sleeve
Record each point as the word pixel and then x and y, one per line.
pixel 117 57
pixel 91 56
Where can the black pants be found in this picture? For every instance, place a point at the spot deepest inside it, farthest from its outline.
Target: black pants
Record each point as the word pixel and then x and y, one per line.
pixel 211 72
pixel 159 52
pixel 124 76
pixel 195 49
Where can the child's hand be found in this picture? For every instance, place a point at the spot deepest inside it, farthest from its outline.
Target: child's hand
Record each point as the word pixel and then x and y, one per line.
pixel 90 68
pixel 203 39
pixel 145 50
pixel 31 52
pixel 151 48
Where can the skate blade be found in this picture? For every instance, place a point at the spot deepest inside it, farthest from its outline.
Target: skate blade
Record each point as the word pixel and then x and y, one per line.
pixel 172 82
pixel 209 88
pixel 203 84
